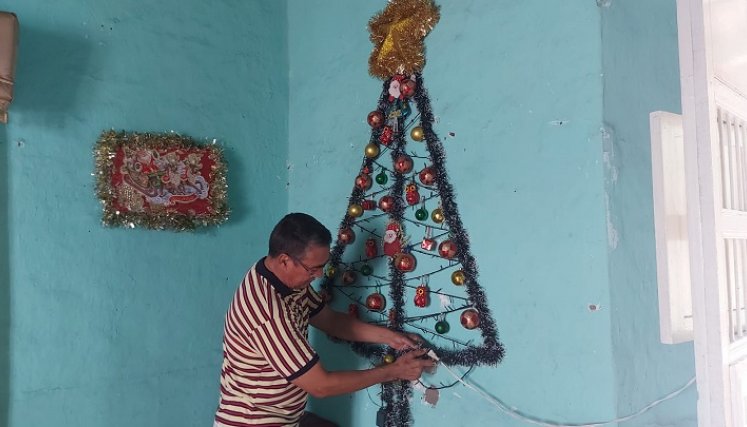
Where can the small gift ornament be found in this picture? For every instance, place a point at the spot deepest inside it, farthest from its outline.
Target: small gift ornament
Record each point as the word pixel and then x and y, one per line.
pixel 421 295
pixel 372 248
pixel 428 243
pixel 411 194
pixel 387 135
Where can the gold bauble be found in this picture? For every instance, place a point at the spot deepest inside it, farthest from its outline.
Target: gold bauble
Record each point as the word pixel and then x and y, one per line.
pixel 437 216
pixel 458 278
pixel 372 150
pixel 355 210
pixel 389 358
pixel 417 133
pixel 330 271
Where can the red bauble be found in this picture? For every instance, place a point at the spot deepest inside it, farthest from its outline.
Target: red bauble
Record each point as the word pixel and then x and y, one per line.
pixel 405 262
pixel 470 318
pixel 387 135
pixel 421 296
pixel 372 249
pixel 403 164
pixel 363 181
pixel 407 88
pixel 376 302
pixel 348 277
pixel 447 249
pixel 375 119
pixel 427 175
pixel 386 203
pixel 346 236
pixel 411 194
pixel 368 205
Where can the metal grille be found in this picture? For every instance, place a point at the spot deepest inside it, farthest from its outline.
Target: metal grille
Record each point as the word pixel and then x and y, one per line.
pixel 736 275
pixel 732 139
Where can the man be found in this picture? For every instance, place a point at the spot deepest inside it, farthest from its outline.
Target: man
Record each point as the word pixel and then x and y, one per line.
pixel 269 367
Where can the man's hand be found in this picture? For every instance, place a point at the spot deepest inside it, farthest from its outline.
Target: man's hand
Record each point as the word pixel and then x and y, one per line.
pixel 405 341
pixel 410 365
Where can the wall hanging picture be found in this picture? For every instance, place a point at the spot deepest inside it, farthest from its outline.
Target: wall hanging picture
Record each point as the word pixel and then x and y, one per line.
pixel 160 181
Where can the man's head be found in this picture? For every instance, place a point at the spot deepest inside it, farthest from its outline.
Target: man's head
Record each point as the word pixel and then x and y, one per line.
pixel 299 246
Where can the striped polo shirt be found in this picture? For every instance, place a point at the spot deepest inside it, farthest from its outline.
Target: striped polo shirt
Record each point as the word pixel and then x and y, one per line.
pixel 265 346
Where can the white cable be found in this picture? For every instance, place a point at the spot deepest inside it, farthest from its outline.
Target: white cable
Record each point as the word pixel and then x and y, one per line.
pixel 533 420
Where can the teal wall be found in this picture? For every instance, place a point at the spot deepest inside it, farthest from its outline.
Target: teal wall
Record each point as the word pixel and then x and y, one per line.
pixel 502 76
pixel 641 75
pixel 113 327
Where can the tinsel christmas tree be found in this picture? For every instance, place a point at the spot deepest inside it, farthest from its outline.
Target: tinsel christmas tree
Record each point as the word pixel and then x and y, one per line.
pixel 402 256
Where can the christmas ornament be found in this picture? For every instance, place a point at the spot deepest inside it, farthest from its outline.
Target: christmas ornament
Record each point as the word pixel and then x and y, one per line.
pixel 375 119
pixel 421 296
pixel 375 302
pixel 353 310
pixel 372 150
pixel 387 135
pixel 392 239
pixel 355 210
pixel 363 181
pixel 394 92
pixel 411 194
pixel 431 396
pixel 470 318
pixel 366 270
pixel 366 169
pixel 417 134
pixel 442 327
pixel 421 214
pixel 397 34
pixel 438 216
pixel 389 358
pixel 458 277
pixel 427 175
pixel 428 243
pixel 447 249
pixel 368 205
pixel 386 203
pixel 403 164
pixel 348 277
pixel 330 272
pixel 405 262
pixel 326 295
pixel 381 178
pixel 407 88
pixel 346 236
pixel 372 248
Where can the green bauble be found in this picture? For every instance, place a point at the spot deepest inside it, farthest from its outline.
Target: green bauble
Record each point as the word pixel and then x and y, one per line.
pixel 442 327
pixel 381 178
pixel 421 214
pixel 366 270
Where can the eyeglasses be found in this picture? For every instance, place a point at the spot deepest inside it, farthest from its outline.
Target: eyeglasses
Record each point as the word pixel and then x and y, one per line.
pixel 312 271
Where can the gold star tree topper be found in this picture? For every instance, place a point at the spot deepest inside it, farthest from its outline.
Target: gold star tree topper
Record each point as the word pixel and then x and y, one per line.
pixel 397 33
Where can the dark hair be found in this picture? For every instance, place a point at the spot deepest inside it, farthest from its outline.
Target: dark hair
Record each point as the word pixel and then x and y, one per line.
pixel 295 233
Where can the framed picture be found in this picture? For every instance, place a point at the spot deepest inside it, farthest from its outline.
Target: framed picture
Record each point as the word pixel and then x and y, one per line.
pixel 160 181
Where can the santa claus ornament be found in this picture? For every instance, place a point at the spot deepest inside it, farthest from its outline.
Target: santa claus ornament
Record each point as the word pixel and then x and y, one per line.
pixel 392 239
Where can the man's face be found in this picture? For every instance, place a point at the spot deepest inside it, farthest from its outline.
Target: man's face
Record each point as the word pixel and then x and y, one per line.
pixel 303 270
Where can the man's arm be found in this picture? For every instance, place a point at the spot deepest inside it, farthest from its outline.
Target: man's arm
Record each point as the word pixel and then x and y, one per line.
pixel 321 383
pixel 349 328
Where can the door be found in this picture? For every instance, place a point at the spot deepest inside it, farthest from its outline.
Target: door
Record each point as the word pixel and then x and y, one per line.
pixel 713 67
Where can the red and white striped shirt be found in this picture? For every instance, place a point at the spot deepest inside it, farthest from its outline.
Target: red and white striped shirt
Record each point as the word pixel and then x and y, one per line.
pixel 265 346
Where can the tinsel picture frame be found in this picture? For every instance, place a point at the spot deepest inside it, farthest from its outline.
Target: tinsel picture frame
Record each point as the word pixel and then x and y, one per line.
pixel 160 181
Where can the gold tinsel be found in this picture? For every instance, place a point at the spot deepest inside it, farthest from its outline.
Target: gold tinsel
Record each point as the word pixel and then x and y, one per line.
pixel 397 33
pixel 104 153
